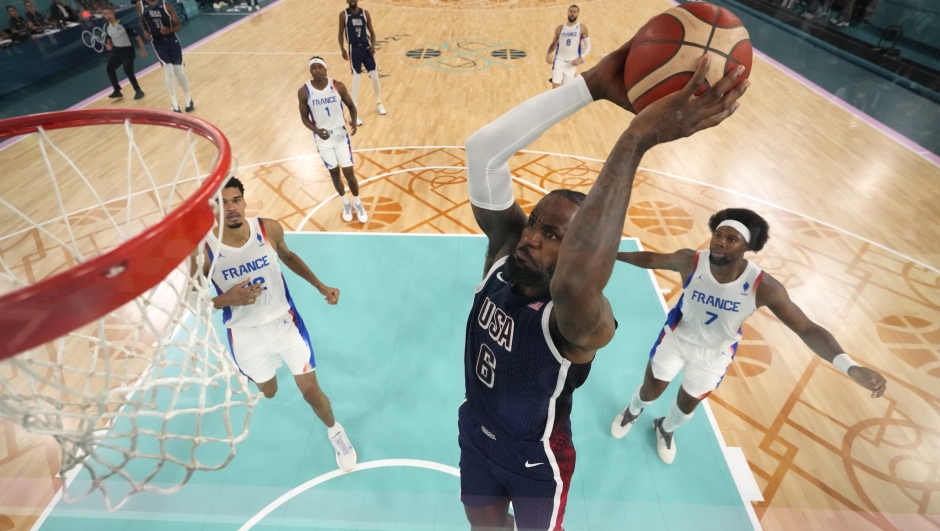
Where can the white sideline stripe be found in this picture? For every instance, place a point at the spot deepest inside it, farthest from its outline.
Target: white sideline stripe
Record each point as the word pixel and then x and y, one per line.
pixel 744 486
pixel 368 465
pixel 742 474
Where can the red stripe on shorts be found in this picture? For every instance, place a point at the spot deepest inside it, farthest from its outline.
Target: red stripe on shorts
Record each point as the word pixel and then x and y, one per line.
pixel 563 449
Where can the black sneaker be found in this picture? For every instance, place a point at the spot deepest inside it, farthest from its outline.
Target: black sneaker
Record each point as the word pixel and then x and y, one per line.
pixel 138 95
pixel 665 442
pixel 623 422
pixel 116 94
pixel 191 106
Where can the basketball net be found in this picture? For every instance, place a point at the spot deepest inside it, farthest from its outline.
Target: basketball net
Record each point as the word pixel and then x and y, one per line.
pixel 143 396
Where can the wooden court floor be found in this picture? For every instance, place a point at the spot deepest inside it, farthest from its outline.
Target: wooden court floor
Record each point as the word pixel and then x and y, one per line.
pixel 853 219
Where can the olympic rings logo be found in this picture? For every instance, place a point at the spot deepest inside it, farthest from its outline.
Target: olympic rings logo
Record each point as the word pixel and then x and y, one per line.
pixel 95 38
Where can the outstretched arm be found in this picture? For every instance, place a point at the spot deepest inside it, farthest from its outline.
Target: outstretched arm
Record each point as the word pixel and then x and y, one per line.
pixel 589 249
pixel 275 234
pixel 489 181
pixel 772 294
pixel 680 261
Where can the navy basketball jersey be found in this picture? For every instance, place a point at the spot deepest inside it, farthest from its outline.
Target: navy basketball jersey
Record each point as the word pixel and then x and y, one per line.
pixel 517 382
pixel 156 17
pixel 356 28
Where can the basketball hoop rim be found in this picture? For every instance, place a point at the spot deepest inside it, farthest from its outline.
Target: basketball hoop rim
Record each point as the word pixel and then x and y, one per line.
pixel 55 306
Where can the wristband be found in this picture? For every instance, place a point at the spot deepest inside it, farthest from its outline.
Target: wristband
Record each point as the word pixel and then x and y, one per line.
pixel 843 362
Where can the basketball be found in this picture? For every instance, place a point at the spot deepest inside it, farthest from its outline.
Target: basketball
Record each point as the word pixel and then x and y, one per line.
pixel 665 51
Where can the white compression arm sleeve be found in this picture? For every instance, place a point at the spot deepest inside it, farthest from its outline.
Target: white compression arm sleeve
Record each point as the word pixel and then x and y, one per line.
pixel 488 178
pixel 587 47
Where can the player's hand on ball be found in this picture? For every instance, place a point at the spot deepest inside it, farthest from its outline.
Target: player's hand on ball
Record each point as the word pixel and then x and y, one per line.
pixel 605 79
pixel 682 114
pixel 869 379
pixel 330 294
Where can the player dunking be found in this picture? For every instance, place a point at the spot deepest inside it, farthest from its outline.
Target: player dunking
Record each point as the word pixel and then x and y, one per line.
pixel 539 315
pixel 353 24
pixel 321 109
pixel 720 290
pixel 160 24
pixel 263 325
pixel 565 52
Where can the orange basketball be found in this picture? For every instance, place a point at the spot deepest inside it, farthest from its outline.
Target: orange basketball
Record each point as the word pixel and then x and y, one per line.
pixel 665 51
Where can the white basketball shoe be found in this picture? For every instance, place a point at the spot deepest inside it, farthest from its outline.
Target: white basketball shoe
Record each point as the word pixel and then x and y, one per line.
pixel 347 212
pixel 361 213
pixel 623 422
pixel 665 442
pixel 345 453
pixel 381 108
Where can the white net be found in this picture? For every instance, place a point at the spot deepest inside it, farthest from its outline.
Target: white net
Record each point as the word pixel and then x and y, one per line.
pixel 144 396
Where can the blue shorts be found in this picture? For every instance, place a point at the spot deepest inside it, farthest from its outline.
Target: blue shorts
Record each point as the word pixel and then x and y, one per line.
pixel 358 56
pixel 535 476
pixel 169 51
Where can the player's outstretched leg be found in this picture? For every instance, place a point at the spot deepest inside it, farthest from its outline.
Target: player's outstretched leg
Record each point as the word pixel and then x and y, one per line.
pixel 310 389
pixel 350 176
pixel 645 395
pixel 680 412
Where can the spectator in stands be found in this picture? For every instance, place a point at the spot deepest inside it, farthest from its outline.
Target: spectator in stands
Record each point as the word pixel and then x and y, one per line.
pixel 848 6
pixel 59 11
pixel 34 18
pixel 19 28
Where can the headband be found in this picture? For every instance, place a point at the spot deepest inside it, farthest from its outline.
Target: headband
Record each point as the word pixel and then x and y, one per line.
pixel 738 226
pixel 316 60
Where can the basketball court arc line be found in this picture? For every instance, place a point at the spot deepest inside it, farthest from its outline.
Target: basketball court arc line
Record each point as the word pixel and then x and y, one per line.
pixel 755 199
pixel 264 53
pixel 748 506
pixel 408 170
pixel 368 465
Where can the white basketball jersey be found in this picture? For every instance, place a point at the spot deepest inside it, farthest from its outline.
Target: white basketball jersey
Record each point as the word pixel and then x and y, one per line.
pixel 569 42
pixel 255 261
pixel 710 314
pixel 326 107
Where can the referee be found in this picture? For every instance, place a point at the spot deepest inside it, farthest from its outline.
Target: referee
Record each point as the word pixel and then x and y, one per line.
pixel 122 52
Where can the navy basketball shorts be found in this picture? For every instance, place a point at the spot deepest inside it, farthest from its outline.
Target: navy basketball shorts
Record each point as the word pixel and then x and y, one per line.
pixel 169 51
pixel 535 476
pixel 358 56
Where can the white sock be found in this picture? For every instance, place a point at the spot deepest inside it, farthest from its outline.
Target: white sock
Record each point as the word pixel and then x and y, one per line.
pixel 184 83
pixel 356 200
pixel 375 86
pixel 355 87
pixel 332 431
pixel 168 74
pixel 345 201
pixel 675 418
pixel 636 403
